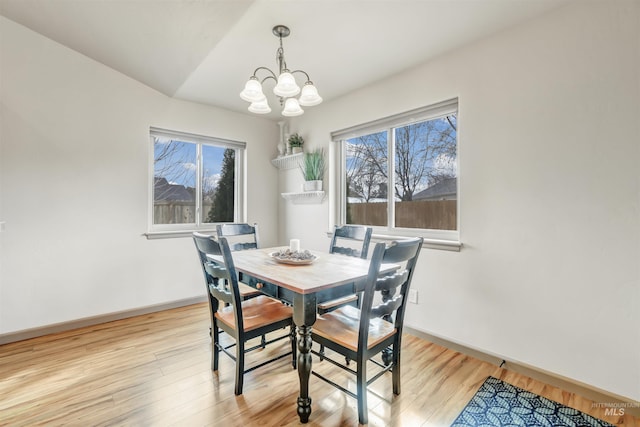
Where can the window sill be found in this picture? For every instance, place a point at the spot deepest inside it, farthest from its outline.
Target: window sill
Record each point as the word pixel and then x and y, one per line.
pixel 152 235
pixel 444 245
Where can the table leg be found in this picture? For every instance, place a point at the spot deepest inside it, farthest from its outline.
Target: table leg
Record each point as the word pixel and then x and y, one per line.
pixel 304 372
pixel 304 316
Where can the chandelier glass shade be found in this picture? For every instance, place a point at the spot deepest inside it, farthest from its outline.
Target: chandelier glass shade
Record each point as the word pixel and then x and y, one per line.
pixel 260 107
pixel 286 87
pixel 292 108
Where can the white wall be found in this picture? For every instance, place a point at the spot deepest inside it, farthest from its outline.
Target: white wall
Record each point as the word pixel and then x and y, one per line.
pixel 549 141
pixel 74 176
pixel 550 190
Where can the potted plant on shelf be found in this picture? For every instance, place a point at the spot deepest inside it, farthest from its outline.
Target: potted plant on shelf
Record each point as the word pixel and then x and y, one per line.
pixel 295 142
pixel 312 168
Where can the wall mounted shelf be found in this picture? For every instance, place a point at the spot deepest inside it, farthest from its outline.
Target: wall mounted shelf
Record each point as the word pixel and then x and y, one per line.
pixel 305 197
pixel 288 162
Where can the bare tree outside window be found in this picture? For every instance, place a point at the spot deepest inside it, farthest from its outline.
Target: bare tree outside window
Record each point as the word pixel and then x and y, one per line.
pixel 425 175
pixel 175 188
pixel 175 160
pixel 425 155
pixel 366 168
pixel 174 182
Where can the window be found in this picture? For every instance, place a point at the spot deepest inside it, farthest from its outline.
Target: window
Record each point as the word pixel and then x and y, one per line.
pixel 196 181
pixel 400 174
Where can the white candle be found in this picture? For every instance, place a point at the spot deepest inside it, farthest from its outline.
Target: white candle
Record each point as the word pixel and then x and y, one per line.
pixel 294 245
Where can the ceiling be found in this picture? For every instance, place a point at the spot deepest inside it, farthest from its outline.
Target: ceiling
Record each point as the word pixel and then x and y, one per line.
pixel 205 50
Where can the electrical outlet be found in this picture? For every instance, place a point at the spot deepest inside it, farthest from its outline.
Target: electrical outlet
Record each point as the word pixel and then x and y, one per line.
pixel 413 296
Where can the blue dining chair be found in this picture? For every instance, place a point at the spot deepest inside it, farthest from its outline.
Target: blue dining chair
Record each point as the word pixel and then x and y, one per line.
pixel 241 236
pixel 350 240
pixel 241 319
pixel 362 333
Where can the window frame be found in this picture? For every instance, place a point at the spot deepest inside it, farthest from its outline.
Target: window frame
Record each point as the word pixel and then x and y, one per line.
pixel 182 230
pixel 441 239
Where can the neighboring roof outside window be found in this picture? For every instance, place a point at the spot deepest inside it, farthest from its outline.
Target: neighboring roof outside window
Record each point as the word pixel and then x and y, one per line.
pixel 447 189
pixel 172 192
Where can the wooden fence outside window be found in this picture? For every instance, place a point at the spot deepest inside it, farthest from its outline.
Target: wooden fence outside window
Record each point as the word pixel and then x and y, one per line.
pixel 426 214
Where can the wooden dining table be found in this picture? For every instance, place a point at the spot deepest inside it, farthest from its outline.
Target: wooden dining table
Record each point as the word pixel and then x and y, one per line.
pixel 303 286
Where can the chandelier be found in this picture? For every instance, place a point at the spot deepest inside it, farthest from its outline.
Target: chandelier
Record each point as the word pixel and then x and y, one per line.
pixel 286 87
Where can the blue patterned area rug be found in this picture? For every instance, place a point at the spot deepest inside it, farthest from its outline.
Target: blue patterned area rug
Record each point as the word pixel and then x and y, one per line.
pixel 498 404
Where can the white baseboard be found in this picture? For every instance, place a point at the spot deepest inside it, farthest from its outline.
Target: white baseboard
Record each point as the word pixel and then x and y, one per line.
pixel 95 320
pixel 592 393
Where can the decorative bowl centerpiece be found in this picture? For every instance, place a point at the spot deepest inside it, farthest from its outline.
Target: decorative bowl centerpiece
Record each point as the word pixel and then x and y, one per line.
pixel 287 256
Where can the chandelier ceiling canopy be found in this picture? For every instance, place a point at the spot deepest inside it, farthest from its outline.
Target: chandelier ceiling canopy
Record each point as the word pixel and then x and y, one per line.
pixel 286 87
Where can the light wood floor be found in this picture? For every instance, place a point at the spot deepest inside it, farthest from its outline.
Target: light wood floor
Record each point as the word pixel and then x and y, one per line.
pixel 154 370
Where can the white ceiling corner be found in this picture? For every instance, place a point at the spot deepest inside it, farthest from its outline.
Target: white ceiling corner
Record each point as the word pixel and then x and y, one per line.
pixel 205 50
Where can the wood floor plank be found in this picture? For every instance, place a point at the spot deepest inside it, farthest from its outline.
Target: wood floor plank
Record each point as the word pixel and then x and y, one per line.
pixel 155 369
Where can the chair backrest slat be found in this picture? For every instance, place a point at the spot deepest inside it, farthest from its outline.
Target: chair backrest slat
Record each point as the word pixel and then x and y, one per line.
pixel 216 271
pixel 351 234
pixel 244 246
pixel 346 251
pixel 387 283
pixel 221 293
pixel 399 251
pixel 386 308
pixel 237 234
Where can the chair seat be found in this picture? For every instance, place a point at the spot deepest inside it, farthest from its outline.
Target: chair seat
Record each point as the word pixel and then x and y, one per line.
pixel 334 303
pixel 256 312
pixel 341 326
pixel 247 291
